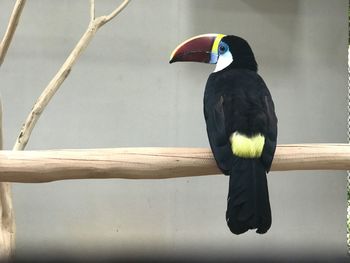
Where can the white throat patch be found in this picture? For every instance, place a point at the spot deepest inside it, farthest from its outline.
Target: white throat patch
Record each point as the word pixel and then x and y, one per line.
pixel 223 61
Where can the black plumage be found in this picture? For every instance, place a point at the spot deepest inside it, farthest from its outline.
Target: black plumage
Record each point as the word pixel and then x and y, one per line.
pixel 236 99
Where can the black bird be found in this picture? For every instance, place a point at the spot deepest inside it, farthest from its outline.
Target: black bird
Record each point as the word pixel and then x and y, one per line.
pixel 241 125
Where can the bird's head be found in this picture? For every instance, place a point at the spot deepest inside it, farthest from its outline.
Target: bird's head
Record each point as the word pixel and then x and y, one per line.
pixel 226 51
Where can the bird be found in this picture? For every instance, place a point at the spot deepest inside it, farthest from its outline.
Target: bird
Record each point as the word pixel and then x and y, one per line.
pixel 241 125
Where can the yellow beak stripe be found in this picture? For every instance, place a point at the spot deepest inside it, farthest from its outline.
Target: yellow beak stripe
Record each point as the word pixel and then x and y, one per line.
pixel 247 147
pixel 215 47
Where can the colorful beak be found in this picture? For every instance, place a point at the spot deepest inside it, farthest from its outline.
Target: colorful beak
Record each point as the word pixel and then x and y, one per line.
pixel 202 48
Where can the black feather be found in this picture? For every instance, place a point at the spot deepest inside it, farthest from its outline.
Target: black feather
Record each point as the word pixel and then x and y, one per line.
pixel 237 99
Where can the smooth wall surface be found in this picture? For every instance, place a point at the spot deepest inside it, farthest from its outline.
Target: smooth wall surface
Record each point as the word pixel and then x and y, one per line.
pixel 122 92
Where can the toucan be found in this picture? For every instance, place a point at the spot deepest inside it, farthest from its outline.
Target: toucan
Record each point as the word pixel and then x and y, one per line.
pixel 241 125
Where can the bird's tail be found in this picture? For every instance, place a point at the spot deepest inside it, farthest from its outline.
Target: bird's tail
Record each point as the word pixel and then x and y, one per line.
pixel 248 205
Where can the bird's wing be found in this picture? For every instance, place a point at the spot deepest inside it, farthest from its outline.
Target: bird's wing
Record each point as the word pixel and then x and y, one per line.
pixel 216 129
pixel 271 132
pixel 241 102
pixel 248 108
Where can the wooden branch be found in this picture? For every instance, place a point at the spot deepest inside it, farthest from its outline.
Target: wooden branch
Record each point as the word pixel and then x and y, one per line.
pixel 92 10
pixel 62 74
pixel 11 28
pixel 7 221
pixel 7 229
pixel 7 225
pixel 7 236
pixel 116 12
pixel 1 128
pixel 153 163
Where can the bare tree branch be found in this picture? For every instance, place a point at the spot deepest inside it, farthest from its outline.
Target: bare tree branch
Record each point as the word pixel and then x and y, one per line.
pixel 7 221
pixel 7 225
pixel 92 10
pixel 1 128
pixel 117 11
pixel 45 97
pixel 154 163
pixel 61 75
pixel 11 28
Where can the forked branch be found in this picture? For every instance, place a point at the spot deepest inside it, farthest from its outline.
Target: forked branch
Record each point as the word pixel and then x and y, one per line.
pixel 116 12
pixel 63 72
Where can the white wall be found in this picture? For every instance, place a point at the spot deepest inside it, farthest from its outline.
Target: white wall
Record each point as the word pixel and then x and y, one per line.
pixel 123 92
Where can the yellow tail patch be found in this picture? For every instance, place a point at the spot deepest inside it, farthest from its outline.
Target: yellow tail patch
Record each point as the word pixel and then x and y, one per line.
pixel 247 147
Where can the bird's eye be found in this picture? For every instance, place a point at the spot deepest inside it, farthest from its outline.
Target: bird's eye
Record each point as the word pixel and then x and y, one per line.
pixel 223 47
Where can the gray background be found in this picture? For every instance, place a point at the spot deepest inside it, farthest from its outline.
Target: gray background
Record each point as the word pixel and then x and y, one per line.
pixel 122 92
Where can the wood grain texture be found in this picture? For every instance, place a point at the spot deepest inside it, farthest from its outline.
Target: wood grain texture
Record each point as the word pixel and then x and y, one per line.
pixel 7 221
pixel 153 163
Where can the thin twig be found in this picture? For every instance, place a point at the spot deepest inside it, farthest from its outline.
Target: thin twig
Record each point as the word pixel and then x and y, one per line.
pixel 117 11
pixel 92 10
pixel 11 28
pixel 61 75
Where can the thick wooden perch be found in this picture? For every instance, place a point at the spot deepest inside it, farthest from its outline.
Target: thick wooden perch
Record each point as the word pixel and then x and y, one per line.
pixel 153 163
